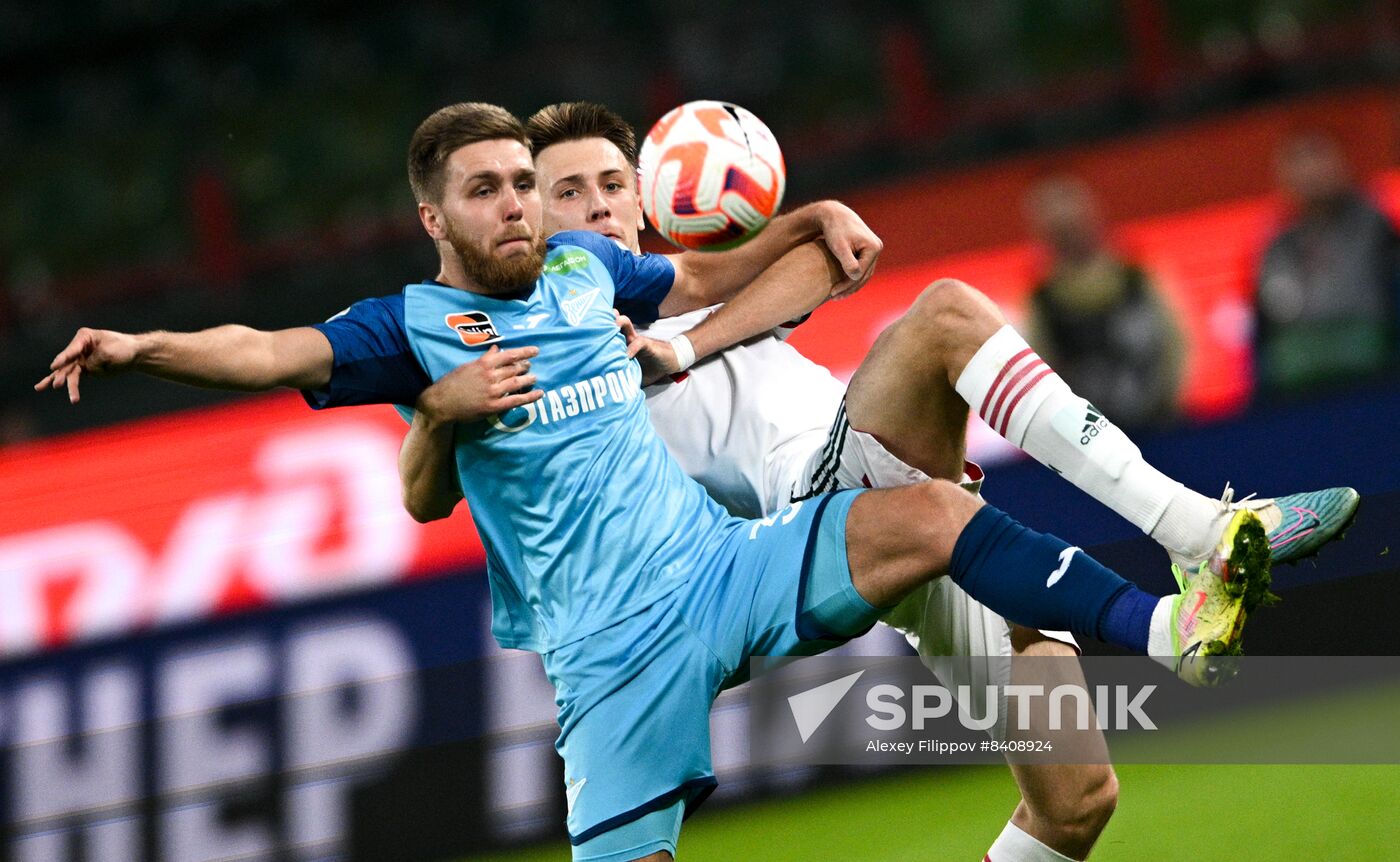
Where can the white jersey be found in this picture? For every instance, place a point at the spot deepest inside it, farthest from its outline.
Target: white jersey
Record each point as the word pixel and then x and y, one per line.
pixel 759 423
pixel 744 421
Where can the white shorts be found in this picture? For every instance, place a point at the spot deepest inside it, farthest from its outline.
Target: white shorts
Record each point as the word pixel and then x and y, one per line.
pixel 939 618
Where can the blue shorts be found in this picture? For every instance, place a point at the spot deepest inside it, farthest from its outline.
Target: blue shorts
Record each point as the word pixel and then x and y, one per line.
pixel 634 699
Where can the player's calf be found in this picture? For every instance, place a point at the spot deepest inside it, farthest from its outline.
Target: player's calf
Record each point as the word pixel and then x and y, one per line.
pixel 1063 811
pixel 1065 807
pixel 900 538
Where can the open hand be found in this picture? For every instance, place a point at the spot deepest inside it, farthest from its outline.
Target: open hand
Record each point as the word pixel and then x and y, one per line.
pixel 489 386
pixel 97 351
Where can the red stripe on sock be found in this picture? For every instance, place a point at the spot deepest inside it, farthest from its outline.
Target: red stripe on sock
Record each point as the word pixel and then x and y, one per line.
pixel 1006 420
pixel 991 390
pixel 1035 363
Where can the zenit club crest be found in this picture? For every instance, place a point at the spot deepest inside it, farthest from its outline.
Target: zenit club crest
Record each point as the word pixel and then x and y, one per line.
pixel 474 328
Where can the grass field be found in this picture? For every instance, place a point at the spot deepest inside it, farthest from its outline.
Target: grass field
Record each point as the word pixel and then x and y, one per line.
pixel 1169 813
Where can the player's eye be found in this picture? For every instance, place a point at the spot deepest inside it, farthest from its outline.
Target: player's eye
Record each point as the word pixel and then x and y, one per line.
pixel 525 186
pixel 568 193
pixel 614 187
pixel 482 191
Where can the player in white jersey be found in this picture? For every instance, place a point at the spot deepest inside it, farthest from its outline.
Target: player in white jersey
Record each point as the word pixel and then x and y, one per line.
pixel 760 425
pixel 744 422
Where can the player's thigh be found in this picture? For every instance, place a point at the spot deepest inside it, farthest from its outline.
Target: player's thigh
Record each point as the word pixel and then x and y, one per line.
pixel 903 391
pixel 783 589
pixel 900 538
pixel 634 722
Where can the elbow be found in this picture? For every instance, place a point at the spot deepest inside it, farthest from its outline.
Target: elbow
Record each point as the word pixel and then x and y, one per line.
pixel 426 512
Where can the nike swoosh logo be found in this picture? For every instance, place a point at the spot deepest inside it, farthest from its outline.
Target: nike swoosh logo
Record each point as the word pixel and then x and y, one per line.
pixel 1065 556
pixel 1200 600
pixel 1304 522
pixel 1189 652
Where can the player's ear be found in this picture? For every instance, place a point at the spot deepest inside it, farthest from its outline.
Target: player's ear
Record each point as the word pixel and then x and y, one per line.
pixel 641 218
pixel 431 217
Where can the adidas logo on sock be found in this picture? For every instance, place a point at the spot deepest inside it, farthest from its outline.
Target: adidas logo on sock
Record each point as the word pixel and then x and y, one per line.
pixel 1093 424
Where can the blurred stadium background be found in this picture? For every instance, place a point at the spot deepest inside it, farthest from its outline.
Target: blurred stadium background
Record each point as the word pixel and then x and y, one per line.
pixel 221 638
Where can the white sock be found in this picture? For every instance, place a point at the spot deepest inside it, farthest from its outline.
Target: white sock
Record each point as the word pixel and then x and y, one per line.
pixel 1023 400
pixel 1159 631
pixel 1013 845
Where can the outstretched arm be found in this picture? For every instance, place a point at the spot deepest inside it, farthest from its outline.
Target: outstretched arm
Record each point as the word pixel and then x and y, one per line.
pixel 705 278
pixel 225 357
pixel 497 382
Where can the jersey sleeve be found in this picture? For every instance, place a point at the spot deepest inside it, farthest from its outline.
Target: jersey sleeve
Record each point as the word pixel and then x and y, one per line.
pixel 373 361
pixel 641 280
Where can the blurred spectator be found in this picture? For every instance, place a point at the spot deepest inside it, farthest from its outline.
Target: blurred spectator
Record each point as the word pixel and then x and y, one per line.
pixel 1098 319
pixel 1326 308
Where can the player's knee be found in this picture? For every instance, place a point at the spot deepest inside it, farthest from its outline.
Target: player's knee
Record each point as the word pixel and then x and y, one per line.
pixel 956 312
pixel 944 509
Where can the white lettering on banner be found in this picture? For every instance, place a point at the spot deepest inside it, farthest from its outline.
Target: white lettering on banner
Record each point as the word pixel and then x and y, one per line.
pixel 524 775
pixel 199 751
pixel 102 561
pixel 204 754
pixel 324 516
pixel 331 748
pixel 311 478
pixel 49 780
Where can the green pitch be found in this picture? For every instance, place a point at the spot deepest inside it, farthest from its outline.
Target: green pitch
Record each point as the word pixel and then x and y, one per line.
pixel 1168 813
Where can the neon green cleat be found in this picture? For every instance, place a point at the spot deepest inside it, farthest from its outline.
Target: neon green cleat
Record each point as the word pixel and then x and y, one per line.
pixel 1206 619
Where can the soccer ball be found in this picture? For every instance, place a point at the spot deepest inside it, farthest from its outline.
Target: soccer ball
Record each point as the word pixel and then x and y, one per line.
pixel 712 175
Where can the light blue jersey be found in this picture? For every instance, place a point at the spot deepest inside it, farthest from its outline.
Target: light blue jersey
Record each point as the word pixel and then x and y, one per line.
pixel 585 517
pixel 644 596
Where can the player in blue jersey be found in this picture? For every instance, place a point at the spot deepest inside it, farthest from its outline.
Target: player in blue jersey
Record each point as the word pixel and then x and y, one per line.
pixel 642 595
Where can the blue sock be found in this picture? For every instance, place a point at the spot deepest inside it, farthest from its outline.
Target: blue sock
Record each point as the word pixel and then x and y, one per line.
pixel 1040 582
pixel 1128 618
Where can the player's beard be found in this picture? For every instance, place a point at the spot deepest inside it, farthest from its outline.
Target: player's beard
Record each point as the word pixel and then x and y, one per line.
pixel 496 274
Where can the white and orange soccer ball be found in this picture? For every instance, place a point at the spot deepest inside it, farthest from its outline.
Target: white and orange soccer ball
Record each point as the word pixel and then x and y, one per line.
pixel 712 175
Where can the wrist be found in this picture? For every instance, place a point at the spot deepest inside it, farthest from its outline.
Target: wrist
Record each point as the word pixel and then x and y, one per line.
pixel 429 409
pixel 808 221
pixel 146 350
pixel 685 352
pixel 822 214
